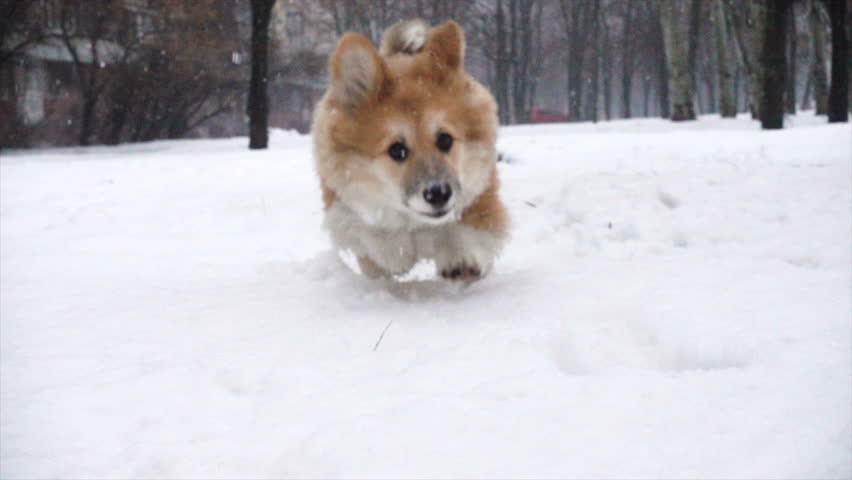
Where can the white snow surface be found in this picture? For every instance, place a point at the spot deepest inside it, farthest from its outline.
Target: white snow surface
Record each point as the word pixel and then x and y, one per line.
pixel 675 302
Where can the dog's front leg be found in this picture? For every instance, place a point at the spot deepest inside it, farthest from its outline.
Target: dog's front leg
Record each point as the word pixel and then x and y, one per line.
pixel 465 253
pixel 386 253
pixel 467 249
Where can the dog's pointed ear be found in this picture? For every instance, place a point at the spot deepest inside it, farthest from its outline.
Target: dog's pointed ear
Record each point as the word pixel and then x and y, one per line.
pixel 447 44
pixel 356 70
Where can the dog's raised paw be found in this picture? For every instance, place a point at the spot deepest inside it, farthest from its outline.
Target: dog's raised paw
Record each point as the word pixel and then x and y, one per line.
pixel 463 272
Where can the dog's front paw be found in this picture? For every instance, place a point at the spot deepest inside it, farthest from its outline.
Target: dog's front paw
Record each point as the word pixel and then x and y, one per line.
pixel 463 271
pixel 466 254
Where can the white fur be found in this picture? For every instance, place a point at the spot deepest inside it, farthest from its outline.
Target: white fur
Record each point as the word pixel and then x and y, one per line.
pixel 395 251
pixel 462 245
pixel 473 178
pixel 392 250
pixel 413 37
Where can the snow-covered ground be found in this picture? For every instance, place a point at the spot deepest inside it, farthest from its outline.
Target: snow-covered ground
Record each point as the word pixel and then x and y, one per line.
pixel 675 302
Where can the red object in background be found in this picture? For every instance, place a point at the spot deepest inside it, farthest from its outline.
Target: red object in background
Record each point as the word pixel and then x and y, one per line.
pixel 540 115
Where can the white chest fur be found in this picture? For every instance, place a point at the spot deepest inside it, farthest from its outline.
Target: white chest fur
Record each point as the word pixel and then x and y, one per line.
pixel 396 243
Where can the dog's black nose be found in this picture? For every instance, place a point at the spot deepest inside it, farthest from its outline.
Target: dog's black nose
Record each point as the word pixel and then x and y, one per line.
pixel 438 194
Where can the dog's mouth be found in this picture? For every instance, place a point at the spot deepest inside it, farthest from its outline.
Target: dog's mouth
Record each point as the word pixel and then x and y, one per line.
pixel 435 214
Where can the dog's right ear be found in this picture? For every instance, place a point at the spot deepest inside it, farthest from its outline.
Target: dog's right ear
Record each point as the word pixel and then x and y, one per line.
pixel 447 44
pixel 357 72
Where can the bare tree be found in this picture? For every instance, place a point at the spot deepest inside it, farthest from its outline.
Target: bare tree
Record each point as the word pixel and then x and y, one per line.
pixel 258 104
pixel 628 56
pixel 838 95
pixel 521 47
pixel 575 18
pixel 372 17
pixel 348 15
pixel 724 61
pixel 538 55
pixel 748 18
pixel 693 35
pixel 607 66
pixel 501 65
pixel 596 59
pixel 774 65
pixel 792 49
pixel 439 11
pixel 661 62
pixel 818 73
pixel 675 16
pixel 507 33
pixel 88 41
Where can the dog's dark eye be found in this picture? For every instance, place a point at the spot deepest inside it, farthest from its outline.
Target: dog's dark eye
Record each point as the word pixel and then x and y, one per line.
pixel 398 151
pixel 444 142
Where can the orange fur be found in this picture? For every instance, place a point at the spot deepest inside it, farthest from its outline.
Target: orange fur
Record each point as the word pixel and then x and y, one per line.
pixel 487 212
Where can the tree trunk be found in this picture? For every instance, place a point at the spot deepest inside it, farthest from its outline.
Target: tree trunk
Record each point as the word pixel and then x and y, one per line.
pixel 806 95
pixel 513 61
pixel 596 61
pixel 675 15
pixel 258 99
pixel 87 119
pixel 534 63
pixel 819 73
pixel 727 100
pixel 607 74
pixel 712 101
pixel 757 16
pixel 737 88
pixel 628 61
pixel 626 91
pixel 694 32
pixel 522 45
pixel 774 64
pixel 748 19
pixel 661 67
pixel 501 64
pixel 790 81
pixel 838 95
pixel 122 104
pixel 576 22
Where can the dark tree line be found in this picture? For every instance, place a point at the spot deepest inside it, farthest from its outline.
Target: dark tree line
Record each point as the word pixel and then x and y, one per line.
pixel 663 42
pixel 779 27
pixel 135 74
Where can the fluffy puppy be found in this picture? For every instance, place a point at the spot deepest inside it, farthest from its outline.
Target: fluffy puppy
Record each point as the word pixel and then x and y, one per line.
pixel 404 147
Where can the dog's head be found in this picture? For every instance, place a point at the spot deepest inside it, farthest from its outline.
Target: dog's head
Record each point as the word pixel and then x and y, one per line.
pixel 407 129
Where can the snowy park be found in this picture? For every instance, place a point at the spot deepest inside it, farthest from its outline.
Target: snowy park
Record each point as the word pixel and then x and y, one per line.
pixel 674 302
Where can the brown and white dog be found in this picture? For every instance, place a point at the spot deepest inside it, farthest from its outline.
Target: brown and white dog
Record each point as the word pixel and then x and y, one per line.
pixel 404 146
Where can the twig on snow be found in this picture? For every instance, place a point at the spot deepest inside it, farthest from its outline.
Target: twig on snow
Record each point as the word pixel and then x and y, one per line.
pixel 376 346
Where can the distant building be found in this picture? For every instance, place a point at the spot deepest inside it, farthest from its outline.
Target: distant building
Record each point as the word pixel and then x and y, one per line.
pixel 37 96
pixel 302 35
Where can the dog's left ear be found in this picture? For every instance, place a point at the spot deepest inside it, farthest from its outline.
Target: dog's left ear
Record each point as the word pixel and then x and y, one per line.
pixel 357 72
pixel 447 44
